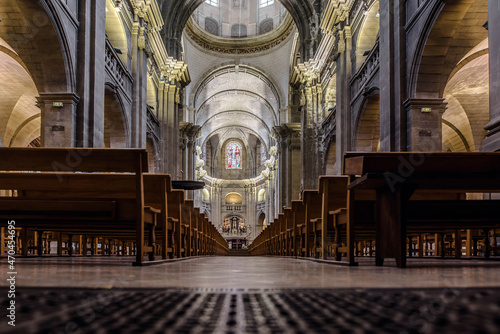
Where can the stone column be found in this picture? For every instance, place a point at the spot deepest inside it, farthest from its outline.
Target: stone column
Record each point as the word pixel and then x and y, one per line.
pixel 187 140
pixel 169 110
pixel 58 119
pixel 283 165
pixel 492 141
pixel 251 211
pixel 140 53
pixel 425 124
pixel 289 163
pixel 89 117
pixel 311 110
pixel 344 74
pixel 393 123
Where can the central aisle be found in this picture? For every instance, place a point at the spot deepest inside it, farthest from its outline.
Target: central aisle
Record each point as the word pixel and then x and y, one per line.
pixel 250 273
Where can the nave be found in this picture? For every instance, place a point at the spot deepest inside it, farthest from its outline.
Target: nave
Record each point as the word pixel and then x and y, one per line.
pixel 254 295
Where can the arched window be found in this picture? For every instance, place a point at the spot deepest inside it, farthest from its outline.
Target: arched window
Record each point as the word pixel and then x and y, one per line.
pixel 239 30
pixel 234 157
pixel 211 26
pixel 266 26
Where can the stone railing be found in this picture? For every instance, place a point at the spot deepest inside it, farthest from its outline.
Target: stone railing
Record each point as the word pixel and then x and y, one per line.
pixel 117 70
pixel 261 206
pixel 234 207
pixel 369 68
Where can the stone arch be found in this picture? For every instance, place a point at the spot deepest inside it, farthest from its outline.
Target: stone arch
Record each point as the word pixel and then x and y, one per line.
pixel 115 122
pixel 28 29
pixel 467 98
pixel 269 89
pixel 368 33
pixel 452 30
pixel 367 135
pixel 115 30
pixel 20 117
pixel 233 198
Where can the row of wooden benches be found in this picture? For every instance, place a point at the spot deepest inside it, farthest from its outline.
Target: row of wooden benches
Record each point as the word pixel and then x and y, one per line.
pixel 104 193
pixel 385 206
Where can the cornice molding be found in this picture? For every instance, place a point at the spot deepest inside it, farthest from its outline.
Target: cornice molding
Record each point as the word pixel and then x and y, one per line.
pixel 245 45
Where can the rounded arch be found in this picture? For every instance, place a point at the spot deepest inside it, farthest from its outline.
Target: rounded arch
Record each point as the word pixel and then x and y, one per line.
pixel 233 198
pixel 367 134
pixel 467 98
pixel 452 30
pixel 20 117
pixel 115 30
pixel 269 90
pixel 368 33
pixel 115 122
pixel 31 27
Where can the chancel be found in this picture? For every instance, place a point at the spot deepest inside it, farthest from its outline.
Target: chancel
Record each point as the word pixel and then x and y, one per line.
pixel 251 166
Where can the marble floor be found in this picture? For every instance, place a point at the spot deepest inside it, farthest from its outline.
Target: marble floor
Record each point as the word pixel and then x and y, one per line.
pixel 248 273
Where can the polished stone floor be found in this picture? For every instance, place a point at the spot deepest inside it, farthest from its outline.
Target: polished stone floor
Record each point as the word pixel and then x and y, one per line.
pixel 249 273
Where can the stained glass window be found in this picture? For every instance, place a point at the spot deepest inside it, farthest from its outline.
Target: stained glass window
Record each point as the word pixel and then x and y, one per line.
pixel 233 155
pixel 263 154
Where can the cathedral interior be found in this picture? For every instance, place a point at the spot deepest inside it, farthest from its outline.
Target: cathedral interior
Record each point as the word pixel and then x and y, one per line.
pixel 246 166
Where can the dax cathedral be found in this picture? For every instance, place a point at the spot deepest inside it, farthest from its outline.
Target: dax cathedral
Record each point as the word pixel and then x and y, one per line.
pixel 257 100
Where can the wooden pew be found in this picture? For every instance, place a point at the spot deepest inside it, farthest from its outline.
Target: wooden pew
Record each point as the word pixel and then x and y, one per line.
pixel 289 232
pixel 404 183
pixel 119 188
pixel 98 214
pixel 298 213
pixel 312 204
